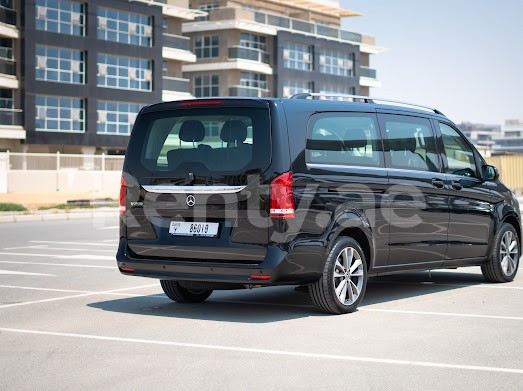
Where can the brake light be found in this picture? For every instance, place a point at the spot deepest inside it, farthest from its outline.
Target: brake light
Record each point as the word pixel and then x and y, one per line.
pixel 282 198
pixel 123 196
pixel 127 269
pixel 200 103
pixel 260 277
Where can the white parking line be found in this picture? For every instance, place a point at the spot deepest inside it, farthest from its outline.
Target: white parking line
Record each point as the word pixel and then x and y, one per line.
pixel 288 353
pixel 19 247
pixel 434 283
pixel 45 247
pixel 58 264
pixel 377 310
pixel 34 288
pixel 74 296
pixel 25 273
pixel 62 256
pixel 111 227
pixel 77 243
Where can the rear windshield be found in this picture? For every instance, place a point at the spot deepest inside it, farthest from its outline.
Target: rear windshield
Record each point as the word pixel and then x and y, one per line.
pixel 227 141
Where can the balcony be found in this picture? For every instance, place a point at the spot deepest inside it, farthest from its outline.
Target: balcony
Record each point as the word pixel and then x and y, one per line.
pixel 11 117
pixel 176 84
pixel 176 41
pixel 248 91
pixel 177 47
pixel 267 23
pixel 368 72
pixel 244 53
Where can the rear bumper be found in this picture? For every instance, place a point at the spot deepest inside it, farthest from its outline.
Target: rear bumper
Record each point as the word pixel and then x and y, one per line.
pixel 300 265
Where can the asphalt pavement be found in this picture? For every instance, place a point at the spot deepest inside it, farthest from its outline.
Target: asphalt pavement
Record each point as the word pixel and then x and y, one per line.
pixel 69 320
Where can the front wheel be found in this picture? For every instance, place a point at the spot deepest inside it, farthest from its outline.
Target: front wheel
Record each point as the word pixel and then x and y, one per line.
pixel 504 260
pixel 342 286
pixel 178 293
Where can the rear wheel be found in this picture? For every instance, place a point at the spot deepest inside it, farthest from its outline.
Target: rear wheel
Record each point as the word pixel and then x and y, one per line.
pixel 504 260
pixel 342 286
pixel 178 293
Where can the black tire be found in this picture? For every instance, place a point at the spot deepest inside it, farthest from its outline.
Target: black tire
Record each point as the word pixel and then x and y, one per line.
pixel 323 293
pixel 493 270
pixel 176 292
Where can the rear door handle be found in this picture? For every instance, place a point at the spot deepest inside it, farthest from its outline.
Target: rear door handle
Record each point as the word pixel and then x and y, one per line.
pixel 438 183
pixel 456 185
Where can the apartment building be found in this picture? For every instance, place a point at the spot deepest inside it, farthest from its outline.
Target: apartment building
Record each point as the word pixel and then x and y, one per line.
pixel 74 73
pixel 277 48
pixel 510 139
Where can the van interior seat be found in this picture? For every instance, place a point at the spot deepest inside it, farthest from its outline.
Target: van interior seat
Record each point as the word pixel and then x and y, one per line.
pixel 402 146
pixel 191 131
pixel 233 134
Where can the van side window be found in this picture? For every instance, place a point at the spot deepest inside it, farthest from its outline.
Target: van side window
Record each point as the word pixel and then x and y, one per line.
pixel 460 157
pixel 409 143
pixel 344 138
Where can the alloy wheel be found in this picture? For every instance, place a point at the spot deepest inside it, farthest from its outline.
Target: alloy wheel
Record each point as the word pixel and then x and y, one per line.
pixel 509 253
pixel 348 275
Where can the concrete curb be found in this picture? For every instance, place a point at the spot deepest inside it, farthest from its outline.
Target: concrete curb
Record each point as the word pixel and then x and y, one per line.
pixel 57 216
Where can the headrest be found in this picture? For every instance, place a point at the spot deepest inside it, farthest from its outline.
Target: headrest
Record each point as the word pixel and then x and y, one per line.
pixel 401 139
pixel 192 130
pixel 234 130
pixel 355 138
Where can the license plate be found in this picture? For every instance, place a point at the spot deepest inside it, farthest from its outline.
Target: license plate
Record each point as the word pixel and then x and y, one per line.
pixel 193 229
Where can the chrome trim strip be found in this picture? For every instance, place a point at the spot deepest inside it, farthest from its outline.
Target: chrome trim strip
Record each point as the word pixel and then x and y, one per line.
pixel 173 189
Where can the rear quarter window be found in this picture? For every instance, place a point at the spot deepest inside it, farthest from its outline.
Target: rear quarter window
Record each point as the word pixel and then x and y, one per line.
pixel 349 139
pixel 202 141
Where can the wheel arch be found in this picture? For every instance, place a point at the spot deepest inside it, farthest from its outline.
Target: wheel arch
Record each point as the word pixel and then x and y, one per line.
pixel 355 226
pixel 512 219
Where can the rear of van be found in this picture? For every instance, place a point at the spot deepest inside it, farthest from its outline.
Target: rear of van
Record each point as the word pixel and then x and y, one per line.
pixel 205 186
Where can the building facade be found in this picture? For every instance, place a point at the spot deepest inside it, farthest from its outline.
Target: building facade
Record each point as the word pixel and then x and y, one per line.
pixel 74 74
pixel 510 139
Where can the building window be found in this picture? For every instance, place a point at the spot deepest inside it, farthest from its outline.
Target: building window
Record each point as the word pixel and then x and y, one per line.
pixel 124 27
pixel 253 41
pixel 6 48
pixel 116 117
pixel 206 85
pixel 206 46
pixel 253 80
pixel 298 56
pixel 336 89
pixel 60 16
pixel 207 8
pixel 128 73
pixel 60 64
pixel 60 114
pixel 335 62
pixel 291 87
pixel 6 99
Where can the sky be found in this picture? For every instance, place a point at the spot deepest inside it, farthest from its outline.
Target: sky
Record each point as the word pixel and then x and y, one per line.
pixel 464 57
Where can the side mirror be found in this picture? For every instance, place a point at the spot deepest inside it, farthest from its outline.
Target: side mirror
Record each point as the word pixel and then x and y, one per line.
pixel 490 173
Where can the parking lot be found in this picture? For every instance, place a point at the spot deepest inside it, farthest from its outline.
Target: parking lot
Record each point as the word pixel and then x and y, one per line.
pixel 69 320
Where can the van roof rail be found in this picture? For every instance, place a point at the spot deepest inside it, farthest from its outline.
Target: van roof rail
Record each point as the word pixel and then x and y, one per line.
pixel 366 99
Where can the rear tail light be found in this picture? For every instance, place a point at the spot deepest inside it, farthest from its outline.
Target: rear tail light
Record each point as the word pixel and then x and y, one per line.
pixel 123 196
pixel 282 198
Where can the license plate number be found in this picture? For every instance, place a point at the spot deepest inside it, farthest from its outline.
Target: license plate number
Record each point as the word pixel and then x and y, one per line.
pixel 193 229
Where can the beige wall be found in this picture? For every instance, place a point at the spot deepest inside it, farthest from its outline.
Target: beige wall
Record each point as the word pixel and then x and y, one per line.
pixel 510 170
pixel 74 181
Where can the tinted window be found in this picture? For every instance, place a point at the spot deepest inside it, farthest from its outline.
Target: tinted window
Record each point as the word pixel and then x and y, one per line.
pixel 410 143
pixel 343 138
pixel 203 141
pixel 460 157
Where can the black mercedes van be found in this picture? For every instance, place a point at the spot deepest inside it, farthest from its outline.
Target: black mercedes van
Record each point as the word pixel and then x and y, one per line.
pixel 227 193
